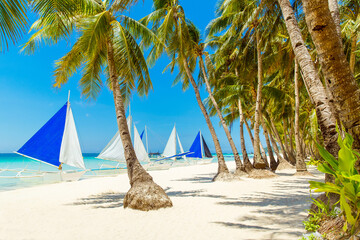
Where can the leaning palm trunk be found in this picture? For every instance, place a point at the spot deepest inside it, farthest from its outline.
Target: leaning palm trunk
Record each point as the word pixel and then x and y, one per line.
pixel 223 171
pixel 314 85
pixel 300 162
pixel 287 143
pixel 239 165
pixel 144 193
pixel 277 135
pixel 262 150
pixel 259 163
pixel 273 163
pixel 247 164
pixel 335 67
pixel 335 13
pixel 352 53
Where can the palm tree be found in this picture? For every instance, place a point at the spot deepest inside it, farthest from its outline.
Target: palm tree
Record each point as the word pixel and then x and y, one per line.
pixel 106 40
pixel 172 27
pixel 200 51
pixel 336 69
pixel 325 116
pixel 300 161
pixel 13 21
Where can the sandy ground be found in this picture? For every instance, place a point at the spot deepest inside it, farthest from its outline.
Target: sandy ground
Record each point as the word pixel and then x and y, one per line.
pixel 93 209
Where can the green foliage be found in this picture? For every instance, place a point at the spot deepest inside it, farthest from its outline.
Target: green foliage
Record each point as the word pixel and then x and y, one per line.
pixel 324 211
pixel 311 237
pixel 13 21
pixel 347 180
pixel 313 162
pixel 99 24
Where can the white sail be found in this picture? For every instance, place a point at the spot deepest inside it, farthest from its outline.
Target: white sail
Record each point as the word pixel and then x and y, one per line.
pixel 114 150
pixel 170 149
pixel 70 151
pixel 180 146
pixel 139 147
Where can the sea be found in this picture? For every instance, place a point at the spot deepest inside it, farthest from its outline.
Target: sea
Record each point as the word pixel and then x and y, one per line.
pixel 11 164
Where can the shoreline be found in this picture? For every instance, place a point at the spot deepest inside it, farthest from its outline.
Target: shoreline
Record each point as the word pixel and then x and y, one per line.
pixel 92 208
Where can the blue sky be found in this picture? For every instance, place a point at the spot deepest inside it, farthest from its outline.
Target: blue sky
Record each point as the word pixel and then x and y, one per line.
pixel 28 100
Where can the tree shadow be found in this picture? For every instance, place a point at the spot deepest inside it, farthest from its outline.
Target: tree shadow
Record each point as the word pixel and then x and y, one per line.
pixel 243 226
pixel 103 200
pixel 201 178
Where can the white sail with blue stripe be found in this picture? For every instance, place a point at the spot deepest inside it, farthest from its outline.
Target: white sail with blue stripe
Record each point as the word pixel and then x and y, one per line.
pixel 57 142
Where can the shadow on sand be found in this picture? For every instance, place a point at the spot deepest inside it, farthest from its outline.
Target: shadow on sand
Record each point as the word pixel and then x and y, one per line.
pixel 201 178
pixel 103 200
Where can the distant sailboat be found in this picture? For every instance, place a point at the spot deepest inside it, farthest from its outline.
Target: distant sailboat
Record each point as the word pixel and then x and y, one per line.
pixel 200 153
pixel 171 149
pixel 114 151
pixel 57 143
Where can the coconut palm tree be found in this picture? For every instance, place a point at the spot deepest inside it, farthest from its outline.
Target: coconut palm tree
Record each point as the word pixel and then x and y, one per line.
pixel 200 51
pixel 13 21
pixel 106 40
pixel 325 116
pixel 336 69
pixel 171 26
pixel 300 161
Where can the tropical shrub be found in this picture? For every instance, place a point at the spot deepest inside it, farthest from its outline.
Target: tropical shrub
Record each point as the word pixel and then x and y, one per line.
pixel 347 180
pixel 322 212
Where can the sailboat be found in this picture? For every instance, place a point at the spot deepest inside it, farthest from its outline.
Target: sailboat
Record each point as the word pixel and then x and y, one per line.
pixel 55 144
pixel 143 156
pixel 171 150
pixel 114 151
pixel 200 153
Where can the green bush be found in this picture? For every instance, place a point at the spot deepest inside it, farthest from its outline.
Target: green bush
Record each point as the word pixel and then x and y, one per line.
pixel 347 180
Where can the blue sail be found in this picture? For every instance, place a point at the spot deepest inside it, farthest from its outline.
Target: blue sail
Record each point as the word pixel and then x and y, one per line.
pixel 195 148
pixel 45 145
pixel 142 134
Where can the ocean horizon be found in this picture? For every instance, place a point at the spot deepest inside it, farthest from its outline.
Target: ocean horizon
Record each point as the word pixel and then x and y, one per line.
pixel 11 164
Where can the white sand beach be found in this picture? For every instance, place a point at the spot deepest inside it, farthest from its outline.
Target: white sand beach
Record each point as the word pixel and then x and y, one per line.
pixel 92 209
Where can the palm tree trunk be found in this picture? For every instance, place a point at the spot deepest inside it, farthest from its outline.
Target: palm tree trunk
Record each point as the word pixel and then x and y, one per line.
pixel 252 140
pixel 300 161
pixel 276 149
pixel 287 144
pixel 335 67
pixel 273 163
pixel 239 165
pixel 144 193
pixel 335 13
pixel 352 53
pixel 258 161
pixel 247 164
pixel 222 168
pixel 326 119
pixel 277 135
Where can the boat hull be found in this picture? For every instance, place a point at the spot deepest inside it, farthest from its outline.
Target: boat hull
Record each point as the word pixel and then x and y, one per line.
pixel 154 166
pixel 201 161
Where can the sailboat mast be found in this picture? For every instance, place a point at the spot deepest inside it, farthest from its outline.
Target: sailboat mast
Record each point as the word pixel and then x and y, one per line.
pixel 175 138
pixel 201 144
pixel 146 139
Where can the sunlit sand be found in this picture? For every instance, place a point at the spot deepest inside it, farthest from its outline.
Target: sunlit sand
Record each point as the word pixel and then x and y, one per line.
pixel 92 209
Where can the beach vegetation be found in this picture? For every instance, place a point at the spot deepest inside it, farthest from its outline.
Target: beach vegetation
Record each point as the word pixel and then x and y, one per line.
pixel 106 43
pixel 346 180
pixel 182 41
pixel 13 22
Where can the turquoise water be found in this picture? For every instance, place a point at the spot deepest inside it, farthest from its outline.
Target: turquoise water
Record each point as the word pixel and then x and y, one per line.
pixel 11 164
